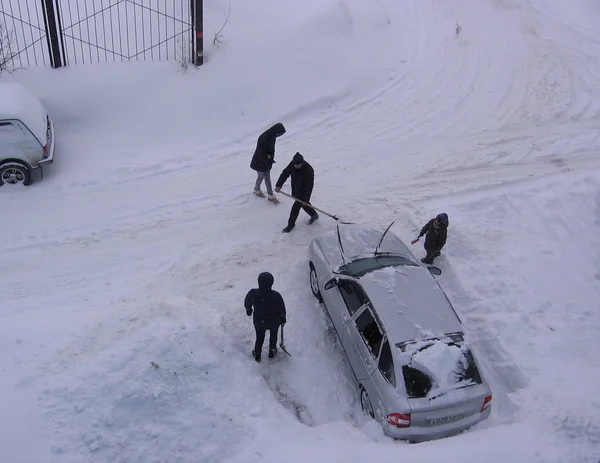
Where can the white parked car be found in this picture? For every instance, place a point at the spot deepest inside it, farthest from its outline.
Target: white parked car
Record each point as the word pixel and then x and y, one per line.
pixel 26 135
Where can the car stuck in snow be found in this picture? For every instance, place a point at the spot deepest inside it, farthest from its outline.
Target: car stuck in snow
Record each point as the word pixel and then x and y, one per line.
pixel 26 135
pixel 405 344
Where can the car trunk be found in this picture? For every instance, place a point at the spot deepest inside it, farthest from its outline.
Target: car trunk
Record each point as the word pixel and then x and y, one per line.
pixel 443 382
pixel 449 407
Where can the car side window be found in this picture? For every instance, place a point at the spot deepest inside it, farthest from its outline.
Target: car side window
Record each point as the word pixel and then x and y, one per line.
pixel 368 328
pixel 7 129
pixel 13 132
pixel 386 363
pixel 353 295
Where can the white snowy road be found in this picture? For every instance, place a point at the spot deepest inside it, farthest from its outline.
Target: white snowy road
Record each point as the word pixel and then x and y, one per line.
pixel 141 241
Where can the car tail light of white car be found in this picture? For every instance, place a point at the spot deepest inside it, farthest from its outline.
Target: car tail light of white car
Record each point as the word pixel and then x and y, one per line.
pixel 486 403
pixel 48 136
pixel 399 420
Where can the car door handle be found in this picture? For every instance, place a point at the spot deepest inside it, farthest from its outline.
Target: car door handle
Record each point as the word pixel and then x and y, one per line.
pixel 345 316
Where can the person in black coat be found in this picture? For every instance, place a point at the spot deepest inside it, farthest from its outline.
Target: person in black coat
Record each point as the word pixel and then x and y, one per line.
pixel 436 232
pixel 303 179
pixel 264 158
pixel 269 312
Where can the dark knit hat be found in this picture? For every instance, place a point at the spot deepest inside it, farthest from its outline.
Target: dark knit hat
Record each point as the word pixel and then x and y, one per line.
pixel 298 158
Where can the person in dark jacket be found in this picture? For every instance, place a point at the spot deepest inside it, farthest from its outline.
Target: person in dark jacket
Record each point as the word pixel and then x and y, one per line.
pixel 269 313
pixel 303 179
pixel 436 232
pixel 264 158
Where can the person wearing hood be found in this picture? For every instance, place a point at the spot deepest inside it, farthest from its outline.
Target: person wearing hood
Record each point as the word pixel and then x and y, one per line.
pixel 269 313
pixel 436 232
pixel 303 179
pixel 264 158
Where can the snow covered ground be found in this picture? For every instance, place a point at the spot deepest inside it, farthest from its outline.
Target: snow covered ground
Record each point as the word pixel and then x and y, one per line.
pixel 141 241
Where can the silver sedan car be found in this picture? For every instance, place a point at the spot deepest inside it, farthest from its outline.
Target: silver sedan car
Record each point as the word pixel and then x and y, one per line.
pixel 404 342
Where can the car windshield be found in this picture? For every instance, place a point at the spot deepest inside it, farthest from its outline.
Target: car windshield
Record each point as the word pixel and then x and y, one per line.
pixel 437 367
pixel 361 267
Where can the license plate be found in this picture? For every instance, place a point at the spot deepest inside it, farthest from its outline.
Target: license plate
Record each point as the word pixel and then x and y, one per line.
pixel 446 419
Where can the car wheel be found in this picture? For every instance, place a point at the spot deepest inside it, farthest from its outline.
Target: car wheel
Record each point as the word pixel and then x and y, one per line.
pixel 365 403
pixel 314 283
pixel 14 173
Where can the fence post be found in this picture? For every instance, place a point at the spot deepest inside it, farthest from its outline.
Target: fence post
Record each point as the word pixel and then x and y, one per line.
pixel 197 26
pixel 52 33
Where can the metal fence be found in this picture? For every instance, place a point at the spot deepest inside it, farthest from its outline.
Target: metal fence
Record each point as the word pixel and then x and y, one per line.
pixel 23 38
pixel 71 32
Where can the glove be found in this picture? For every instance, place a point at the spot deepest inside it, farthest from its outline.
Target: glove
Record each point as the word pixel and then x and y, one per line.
pixel 248 312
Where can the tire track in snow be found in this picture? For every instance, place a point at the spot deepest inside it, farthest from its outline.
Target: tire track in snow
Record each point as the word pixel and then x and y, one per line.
pixel 379 207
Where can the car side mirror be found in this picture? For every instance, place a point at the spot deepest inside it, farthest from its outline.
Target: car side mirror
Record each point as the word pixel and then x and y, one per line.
pixel 331 283
pixel 434 270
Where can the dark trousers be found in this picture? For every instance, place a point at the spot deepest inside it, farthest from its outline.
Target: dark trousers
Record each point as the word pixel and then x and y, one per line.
pixel 296 210
pixel 431 255
pixel 260 336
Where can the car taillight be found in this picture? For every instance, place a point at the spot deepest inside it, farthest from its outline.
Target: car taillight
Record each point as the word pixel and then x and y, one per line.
pixel 46 150
pixel 399 420
pixel 486 403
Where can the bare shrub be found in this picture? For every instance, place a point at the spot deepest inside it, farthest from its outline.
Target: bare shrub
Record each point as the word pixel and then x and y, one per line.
pixel 218 37
pixel 8 50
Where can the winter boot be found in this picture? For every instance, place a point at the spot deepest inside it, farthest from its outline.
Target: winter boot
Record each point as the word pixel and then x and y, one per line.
pixel 273 199
pixel 256 356
pixel 313 219
pixel 272 352
pixel 288 229
pixel 259 193
pixel 427 261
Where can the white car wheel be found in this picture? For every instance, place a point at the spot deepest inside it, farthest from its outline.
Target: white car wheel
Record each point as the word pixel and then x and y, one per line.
pixel 13 173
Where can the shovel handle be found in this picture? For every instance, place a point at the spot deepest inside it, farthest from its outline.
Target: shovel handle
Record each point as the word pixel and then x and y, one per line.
pixel 334 217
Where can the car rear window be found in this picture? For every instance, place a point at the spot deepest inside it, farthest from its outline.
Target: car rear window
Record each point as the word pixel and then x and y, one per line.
pixel 436 367
pixel 417 383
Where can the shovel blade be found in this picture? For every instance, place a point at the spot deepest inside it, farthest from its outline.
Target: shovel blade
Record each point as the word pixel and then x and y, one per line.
pixel 284 349
pixel 281 343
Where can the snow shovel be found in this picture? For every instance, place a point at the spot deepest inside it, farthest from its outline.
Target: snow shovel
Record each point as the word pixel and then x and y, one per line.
pixel 334 217
pixel 415 240
pixel 282 343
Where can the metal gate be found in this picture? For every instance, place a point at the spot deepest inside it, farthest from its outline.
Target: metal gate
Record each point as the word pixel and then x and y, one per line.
pixel 23 37
pixel 71 32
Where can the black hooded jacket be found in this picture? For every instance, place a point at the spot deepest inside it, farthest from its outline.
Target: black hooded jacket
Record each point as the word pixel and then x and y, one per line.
pixel 268 305
pixel 303 180
pixel 435 237
pixel 264 155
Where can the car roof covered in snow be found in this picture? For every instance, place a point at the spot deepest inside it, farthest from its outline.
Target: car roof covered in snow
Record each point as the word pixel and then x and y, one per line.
pixel 407 298
pixel 410 303
pixel 19 103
